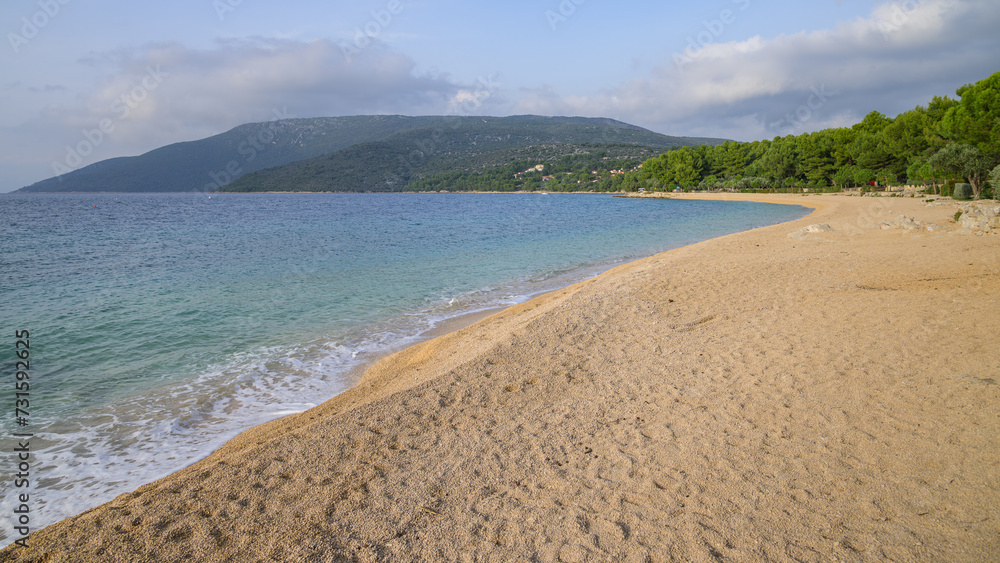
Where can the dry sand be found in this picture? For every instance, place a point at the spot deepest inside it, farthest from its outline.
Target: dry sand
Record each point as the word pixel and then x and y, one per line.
pixel 755 397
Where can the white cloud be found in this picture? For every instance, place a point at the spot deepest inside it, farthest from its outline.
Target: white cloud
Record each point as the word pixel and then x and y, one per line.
pixel 898 57
pixel 245 80
pixel 167 93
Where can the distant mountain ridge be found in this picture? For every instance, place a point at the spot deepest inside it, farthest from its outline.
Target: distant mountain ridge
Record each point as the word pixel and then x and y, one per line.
pixel 355 153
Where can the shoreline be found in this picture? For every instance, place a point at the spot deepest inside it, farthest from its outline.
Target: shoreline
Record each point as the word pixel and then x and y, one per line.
pixel 451 325
pixel 563 356
pixel 84 484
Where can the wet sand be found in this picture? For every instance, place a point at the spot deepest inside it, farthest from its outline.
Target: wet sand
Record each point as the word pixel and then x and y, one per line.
pixel 830 395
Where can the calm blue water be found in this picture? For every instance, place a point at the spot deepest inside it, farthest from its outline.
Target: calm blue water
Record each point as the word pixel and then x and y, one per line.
pixel 162 325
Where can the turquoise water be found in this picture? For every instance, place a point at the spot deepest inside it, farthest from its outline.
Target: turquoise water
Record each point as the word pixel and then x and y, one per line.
pixel 162 325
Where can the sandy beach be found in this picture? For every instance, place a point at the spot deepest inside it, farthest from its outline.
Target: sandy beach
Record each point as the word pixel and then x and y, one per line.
pixel 783 394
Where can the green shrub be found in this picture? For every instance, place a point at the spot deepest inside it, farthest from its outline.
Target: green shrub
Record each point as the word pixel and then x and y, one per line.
pixel 962 191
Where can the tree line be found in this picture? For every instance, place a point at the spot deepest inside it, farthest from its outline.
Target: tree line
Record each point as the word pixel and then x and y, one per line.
pixel 935 145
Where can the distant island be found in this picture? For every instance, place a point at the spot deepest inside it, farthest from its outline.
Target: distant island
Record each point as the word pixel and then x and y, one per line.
pixel 373 153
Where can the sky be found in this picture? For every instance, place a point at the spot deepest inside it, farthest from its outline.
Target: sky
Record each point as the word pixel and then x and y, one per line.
pixel 87 80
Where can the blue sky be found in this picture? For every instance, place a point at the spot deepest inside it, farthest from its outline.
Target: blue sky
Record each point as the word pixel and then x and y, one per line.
pixel 151 74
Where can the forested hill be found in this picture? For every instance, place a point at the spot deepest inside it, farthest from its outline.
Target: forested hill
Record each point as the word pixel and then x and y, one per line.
pixel 945 142
pixel 554 168
pixel 374 140
pixel 452 143
pixel 196 165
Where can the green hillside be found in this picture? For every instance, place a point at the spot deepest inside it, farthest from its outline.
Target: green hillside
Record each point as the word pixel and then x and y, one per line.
pixel 589 167
pixel 398 161
pixel 197 165
pixel 365 147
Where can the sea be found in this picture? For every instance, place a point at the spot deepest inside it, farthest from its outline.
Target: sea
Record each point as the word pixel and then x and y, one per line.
pixel 161 325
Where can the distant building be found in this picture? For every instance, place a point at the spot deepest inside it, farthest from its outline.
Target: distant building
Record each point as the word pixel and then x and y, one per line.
pixel 532 170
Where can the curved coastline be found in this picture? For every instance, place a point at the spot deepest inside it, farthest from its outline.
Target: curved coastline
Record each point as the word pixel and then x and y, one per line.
pixel 382 376
pixel 101 467
pixel 587 422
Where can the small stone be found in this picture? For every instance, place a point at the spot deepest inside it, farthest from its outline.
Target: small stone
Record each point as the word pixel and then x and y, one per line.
pixel 804 232
pixel 819 228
